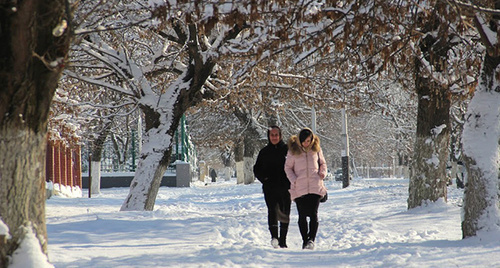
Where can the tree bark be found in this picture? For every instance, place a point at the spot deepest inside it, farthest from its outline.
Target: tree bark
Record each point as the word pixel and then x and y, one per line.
pixel 22 187
pixel 428 168
pixel 428 176
pixel 250 142
pixel 32 57
pixel 482 126
pixel 152 162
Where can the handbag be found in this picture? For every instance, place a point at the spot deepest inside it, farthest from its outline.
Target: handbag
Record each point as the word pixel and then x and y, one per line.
pixel 324 198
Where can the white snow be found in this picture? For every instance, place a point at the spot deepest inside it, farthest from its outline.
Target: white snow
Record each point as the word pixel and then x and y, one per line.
pixel 225 225
pixel 433 160
pixel 437 130
pixel 4 229
pixel 60 28
pixel 29 254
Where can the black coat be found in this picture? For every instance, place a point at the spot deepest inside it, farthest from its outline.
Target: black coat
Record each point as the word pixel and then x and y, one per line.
pixel 270 167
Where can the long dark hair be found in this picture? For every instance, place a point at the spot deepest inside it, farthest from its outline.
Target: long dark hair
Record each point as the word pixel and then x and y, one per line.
pixel 304 134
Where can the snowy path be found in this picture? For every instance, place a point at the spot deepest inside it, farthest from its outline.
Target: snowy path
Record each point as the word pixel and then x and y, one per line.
pixel 225 225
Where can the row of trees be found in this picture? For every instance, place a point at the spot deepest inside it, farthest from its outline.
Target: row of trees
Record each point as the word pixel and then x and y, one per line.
pixel 380 134
pixel 256 59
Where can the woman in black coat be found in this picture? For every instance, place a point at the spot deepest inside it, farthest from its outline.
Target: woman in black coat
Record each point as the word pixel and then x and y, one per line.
pixel 269 169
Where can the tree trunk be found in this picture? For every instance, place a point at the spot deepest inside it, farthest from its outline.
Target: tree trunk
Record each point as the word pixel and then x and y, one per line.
pixel 146 183
pixel 96 150
pixel 162 121
pixel 153 162
pixel 32 57
pixel 22 187
pixel 428 168
pixel 239 149
pixel 428 176
pixel 482 126
pixel 95 176
pixel 250 141
pixel 227 171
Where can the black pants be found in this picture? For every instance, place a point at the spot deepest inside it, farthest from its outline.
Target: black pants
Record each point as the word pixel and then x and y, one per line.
pixel 278 210
pixel 307 206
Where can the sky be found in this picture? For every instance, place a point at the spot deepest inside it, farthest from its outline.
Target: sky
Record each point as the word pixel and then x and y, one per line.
pixel 223 224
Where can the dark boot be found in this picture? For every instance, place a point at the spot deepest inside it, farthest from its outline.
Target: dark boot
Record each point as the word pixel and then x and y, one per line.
pixel 274 231
pixel 303 230
pixel 274 236
pixel 283 233
pixel 313 230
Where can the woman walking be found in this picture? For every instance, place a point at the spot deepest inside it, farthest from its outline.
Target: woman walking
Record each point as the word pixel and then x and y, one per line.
pixel 305 167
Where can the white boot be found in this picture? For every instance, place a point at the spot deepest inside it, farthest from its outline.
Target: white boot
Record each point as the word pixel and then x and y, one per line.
pixel 275 243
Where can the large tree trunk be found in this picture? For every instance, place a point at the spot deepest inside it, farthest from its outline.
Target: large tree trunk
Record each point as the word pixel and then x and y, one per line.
pixel 250 142
pixel 428 168
pixel 481 150
pixel 245 156
pixel 428 176
pixel 153 162
pixel 22 187
pixel 32 58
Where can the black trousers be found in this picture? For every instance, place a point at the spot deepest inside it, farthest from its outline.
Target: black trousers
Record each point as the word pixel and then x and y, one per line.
pixel 278 210
pixel 307 206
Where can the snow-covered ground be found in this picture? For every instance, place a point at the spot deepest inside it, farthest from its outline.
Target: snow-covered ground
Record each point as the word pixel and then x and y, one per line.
pixel 225 225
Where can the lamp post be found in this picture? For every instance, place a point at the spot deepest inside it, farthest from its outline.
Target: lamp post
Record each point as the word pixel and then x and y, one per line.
pixel 313 120
pixel 345 150
pixel 133 151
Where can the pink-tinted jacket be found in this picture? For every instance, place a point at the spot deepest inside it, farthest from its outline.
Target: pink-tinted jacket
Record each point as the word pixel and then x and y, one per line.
pixel 305 170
